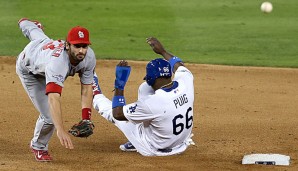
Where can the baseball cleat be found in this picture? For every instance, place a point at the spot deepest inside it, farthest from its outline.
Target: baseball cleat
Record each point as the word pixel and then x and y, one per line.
pixel 37 23
pixel 41 155
pixel 127 147
pixel 95 85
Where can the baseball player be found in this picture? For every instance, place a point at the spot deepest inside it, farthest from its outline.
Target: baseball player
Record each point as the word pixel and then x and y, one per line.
pixel 160 122
pixel 43 66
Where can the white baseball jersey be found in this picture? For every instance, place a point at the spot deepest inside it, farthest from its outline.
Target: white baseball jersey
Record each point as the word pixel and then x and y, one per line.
pixel 166 116
pixel 160 122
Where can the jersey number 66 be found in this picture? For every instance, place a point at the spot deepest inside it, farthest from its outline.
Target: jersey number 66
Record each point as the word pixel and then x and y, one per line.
pixel 178 127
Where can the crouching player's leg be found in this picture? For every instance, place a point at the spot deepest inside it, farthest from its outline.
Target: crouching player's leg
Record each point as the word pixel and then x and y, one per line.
pixel 104 107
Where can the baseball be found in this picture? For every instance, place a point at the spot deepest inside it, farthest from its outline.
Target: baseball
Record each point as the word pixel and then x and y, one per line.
pixel 266 7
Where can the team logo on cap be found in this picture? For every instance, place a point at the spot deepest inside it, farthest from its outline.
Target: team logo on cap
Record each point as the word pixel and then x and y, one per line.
pixel 81 34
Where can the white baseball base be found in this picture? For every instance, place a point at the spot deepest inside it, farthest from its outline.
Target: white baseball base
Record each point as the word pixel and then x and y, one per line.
pixel 266 159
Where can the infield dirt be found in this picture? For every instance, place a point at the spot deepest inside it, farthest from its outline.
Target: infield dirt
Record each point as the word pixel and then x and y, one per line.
pixel 238 111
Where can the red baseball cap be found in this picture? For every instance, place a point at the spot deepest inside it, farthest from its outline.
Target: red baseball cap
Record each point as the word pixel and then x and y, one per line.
pixel 78 35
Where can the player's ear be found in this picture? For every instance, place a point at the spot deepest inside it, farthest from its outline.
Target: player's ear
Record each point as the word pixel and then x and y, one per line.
pixel 66 45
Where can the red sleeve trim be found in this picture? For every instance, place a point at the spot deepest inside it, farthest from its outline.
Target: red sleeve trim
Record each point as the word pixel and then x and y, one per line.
pixel 53 88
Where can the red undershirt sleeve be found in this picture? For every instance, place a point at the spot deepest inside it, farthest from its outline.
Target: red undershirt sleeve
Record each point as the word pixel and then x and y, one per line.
pixel 53 88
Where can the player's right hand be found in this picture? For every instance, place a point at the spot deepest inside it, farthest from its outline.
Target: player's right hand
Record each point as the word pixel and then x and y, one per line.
pixel 64 139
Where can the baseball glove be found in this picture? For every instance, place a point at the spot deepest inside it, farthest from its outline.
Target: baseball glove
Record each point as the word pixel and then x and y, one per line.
pixel 82 129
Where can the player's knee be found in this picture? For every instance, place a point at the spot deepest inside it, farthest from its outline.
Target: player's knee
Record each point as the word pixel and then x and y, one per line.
pixel 47 119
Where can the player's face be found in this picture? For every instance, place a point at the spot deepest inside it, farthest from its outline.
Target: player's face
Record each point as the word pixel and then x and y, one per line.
pixel 77 52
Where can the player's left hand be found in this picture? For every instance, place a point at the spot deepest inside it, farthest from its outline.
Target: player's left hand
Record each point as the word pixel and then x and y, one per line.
pixel 82 129
pixel 155 45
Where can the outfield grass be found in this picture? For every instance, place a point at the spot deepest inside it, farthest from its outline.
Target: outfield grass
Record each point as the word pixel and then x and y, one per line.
pixel 230 32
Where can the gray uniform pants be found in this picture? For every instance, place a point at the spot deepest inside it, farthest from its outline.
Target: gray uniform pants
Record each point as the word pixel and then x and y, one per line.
pixel 35 86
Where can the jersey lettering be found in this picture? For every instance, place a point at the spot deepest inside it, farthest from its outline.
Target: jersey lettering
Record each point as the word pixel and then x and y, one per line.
pixel 49 45
pixel 57 52
pixel 57 48
pixel 132 109
pixel 178 127
pixel 180 100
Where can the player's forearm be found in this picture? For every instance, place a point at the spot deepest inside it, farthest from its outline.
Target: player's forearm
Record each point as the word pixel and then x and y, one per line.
pixel 55 110
pixel 118 111
pixel 122 74
pixel 167 55
pixel 118 92
pixel 87 96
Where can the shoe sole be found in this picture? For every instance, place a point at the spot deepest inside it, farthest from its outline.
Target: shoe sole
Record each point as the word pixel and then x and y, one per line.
pixel 42 160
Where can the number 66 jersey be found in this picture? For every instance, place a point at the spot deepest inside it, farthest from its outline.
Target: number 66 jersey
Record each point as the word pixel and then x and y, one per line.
pixel 166 115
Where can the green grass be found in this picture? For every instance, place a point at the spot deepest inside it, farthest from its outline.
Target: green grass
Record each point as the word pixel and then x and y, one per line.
pixel 229 32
